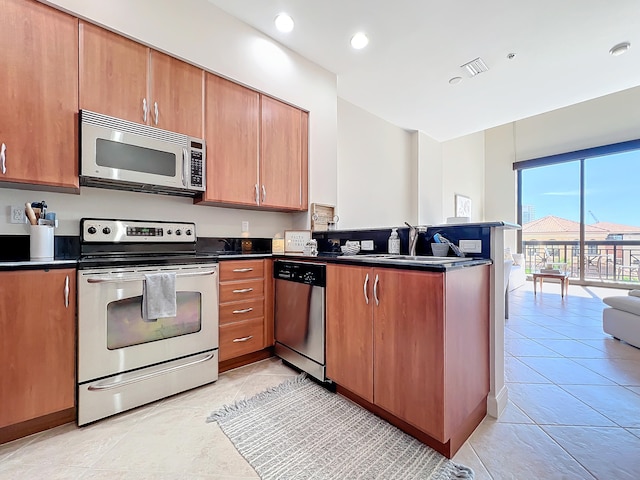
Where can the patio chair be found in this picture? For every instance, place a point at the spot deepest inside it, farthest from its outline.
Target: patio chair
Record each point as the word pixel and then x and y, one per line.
pixel 593 265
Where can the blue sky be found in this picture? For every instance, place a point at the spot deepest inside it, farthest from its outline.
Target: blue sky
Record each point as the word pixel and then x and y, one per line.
pixel 612 185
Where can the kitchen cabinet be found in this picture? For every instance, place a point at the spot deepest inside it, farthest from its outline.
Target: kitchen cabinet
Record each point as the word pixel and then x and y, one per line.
pixel 246 305
pixel 37 340
pixel 283 155
pixel 125 79
pixel 39 96
pixel 257 149
pixel 413 344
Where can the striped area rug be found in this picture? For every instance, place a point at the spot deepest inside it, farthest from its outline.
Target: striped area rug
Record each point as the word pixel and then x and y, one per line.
pixel 299 430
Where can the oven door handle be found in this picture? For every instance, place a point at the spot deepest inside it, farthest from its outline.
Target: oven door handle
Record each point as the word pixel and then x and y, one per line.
pixel 135 278
pixel 146 376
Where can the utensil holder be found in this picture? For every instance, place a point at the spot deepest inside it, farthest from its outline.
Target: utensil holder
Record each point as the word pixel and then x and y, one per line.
pixel 41 242
pixel 440 249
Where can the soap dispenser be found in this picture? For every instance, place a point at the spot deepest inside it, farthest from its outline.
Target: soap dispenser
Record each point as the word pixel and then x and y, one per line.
pixel 394 242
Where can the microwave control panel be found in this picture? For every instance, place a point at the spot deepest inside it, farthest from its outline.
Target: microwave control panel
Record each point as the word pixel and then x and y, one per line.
pixel 197 161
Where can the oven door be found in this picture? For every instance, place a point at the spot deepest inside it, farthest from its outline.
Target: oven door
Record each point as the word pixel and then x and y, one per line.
pixel 114 338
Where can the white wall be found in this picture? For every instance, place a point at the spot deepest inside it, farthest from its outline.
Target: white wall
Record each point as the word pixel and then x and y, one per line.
pixel 463 170
pixel 200 33
pixel 605 120
pixel 377 171
pixel 430 185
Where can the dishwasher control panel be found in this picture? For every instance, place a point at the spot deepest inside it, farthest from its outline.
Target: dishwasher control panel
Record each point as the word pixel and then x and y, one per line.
pixel 300 272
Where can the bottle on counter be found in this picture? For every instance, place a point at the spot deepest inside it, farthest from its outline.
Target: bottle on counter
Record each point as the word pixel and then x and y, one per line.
pixel 394 242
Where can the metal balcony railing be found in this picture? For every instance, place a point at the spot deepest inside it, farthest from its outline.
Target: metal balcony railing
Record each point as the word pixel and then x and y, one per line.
pixel 603 261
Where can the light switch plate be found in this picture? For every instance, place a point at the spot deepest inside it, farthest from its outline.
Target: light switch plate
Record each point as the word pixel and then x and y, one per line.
pixel 470 246
pixel 366 245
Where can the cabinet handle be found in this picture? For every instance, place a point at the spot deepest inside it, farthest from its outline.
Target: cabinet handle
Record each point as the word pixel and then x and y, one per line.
pixel 3 156
pixel 185 166
pixel 242 270
pixel 145 110
pixel 243 339
pixel 366 284
pixel 264 194
pixel 257 195
pixel 155 112
pixel 243 290
pixel 375 290
pixel 244 310
pixel 66 292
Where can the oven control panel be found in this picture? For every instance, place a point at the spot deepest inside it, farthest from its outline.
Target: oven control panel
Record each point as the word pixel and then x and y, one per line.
pixel 102 230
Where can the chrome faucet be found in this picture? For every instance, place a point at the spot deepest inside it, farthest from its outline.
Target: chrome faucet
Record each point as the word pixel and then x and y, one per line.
pixel 414 232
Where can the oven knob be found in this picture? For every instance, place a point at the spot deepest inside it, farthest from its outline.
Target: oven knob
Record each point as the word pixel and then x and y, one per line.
pixel 178 232
pixel 169 232
pixel 106 230
pixel 91 230
pixel 188 232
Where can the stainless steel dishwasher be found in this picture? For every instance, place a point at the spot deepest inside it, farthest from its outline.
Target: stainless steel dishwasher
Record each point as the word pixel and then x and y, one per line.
pixel 300 315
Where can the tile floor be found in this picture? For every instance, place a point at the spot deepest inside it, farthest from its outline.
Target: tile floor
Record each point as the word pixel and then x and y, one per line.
pixel 573 412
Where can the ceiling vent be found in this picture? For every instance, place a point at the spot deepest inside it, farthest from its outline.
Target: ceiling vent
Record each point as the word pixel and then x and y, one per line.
pixel 475 67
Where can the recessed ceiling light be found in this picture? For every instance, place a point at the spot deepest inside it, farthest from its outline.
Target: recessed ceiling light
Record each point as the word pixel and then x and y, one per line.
pixel 284 22
pixel 455 80
pixel 620 48
pixel 359 40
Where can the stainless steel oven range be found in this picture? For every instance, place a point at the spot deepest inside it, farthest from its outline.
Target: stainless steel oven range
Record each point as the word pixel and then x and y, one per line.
pixel 127 358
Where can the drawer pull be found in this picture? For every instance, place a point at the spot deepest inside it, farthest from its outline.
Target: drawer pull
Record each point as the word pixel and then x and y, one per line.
pixel 244 310
pixel 243 290
pixel 243 270
pixel 243 339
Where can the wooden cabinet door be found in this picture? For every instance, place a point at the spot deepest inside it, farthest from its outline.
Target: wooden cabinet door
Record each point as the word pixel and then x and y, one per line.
pixel 114 74
pixel 280 155
pixel 37 344
pixel 232 125
pixel 39 95
pixel 177 90
pixel 350 329
pixel 409 342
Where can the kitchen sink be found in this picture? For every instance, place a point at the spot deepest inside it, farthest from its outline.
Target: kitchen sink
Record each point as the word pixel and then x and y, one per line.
pixel 416 258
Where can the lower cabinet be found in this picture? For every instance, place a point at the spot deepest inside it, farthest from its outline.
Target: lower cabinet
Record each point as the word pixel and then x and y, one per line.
pixel 37 350
pixel 246 326
pixel 414 344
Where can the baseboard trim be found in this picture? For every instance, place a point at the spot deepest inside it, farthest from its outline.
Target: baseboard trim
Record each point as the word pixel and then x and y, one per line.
pixel 243 360
pixel 35 425
pixel 496 404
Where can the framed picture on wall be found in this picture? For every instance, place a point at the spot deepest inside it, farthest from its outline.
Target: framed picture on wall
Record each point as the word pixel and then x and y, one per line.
pixel 463 206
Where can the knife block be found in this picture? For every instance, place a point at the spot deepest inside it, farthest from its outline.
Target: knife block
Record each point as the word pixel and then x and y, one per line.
pixel 41 243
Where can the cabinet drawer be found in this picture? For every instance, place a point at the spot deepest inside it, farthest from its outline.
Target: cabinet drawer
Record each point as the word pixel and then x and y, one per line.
pixel 236 291
pixel 240 338
pixel 236 311
pixel 237 270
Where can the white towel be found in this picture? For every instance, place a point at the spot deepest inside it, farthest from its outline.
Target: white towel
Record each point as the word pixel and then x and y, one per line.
pixel 159 296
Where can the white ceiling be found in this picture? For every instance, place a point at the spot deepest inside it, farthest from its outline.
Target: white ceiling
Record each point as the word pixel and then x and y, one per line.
pixel 416 46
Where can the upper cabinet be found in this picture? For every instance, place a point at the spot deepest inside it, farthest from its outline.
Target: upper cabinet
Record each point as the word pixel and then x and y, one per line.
pixel 127 80
pixel 39 95
pixel 257 149
pixel 283 156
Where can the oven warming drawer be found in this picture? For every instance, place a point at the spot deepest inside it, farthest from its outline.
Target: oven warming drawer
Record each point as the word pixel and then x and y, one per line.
pixel 112 395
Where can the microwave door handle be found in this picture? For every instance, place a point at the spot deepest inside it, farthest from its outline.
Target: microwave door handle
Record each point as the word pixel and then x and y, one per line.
pixel 185 156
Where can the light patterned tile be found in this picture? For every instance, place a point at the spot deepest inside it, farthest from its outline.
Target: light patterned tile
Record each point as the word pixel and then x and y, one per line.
pixel 550 405
pixel 620 370
pixel 524 347
pixel 536 331
pixel 614 348
pixel 513 452
pixel 565 371
pixel 613 401
pixel 468 457
pixel 16 469
pixel 617 450
pixel 573 349
pixel 517 372
pixel 512 414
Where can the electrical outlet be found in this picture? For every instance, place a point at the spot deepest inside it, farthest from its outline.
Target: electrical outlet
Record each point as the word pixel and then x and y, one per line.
pixel 470 246
pixel 245 226
pixel 17 214
pixel 366 245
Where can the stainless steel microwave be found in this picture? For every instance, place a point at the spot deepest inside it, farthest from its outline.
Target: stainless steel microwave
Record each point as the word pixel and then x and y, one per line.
pixel 124 155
